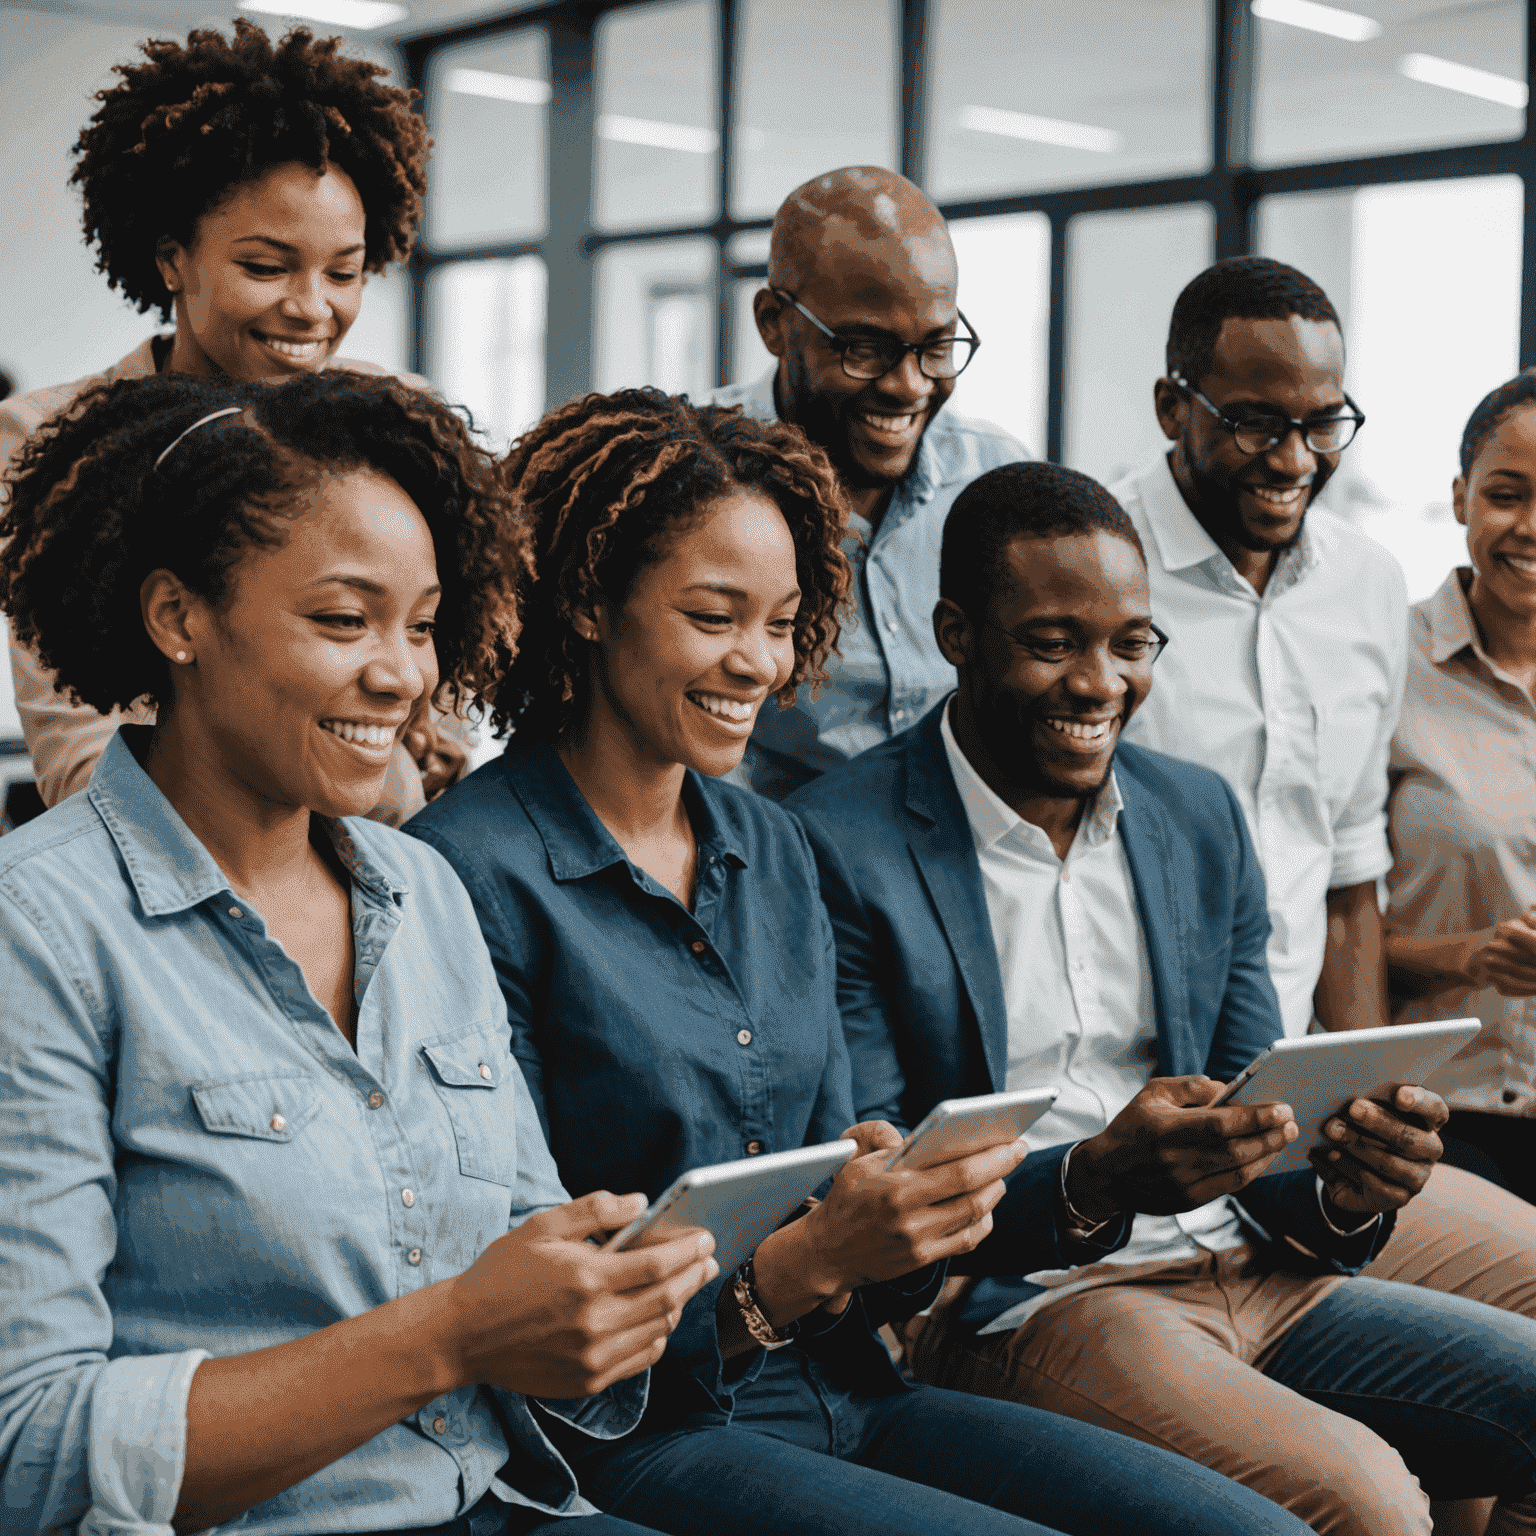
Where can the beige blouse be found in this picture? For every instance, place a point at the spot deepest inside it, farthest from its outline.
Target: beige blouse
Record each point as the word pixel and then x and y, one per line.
pixel 65 738
pixel 1462 820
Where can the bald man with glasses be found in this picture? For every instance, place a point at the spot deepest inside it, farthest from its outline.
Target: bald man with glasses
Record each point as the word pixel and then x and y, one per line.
pixel 860 310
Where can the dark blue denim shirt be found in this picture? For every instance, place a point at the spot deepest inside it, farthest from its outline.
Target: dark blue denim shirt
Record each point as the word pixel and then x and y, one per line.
pixel 655 1039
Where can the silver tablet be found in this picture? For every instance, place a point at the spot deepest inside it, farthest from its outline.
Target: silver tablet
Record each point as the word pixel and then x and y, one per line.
pixel 741 1202
pixel 957 1127
pixel 1318 1074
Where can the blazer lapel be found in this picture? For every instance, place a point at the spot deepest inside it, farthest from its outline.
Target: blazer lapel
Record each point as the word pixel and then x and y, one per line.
pixel 1161 874
pixel 939 836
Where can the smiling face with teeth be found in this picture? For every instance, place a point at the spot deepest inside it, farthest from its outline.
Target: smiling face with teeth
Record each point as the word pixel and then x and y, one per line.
pixel 1253 505
pixel 302 679
pixel 1496 502
pixel 704 639
pixel 1044 684
pixel 273 278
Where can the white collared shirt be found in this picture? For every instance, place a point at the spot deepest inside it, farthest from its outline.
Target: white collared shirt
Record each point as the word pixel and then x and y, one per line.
pixel 1078 991
pixel 1291 696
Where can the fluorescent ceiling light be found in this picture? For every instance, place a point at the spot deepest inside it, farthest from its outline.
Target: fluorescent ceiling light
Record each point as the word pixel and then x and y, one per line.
pixel 357 15
pixel 1040 130
pixel 1461 77
pixel 654 135
pixel 1350 25
pixel 617 130
pixel 482 82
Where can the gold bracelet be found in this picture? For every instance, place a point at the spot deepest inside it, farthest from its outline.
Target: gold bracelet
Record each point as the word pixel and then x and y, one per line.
pixel 744 1289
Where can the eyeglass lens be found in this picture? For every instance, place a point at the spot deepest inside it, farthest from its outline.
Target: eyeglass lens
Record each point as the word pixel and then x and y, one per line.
pixel 871 358
pixel 1261 434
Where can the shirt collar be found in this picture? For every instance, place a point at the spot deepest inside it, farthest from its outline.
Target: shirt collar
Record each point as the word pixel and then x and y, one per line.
pixel 992 818
pixel 1451 629
pixel 1182 543
pixel 170 868
pixel 575 839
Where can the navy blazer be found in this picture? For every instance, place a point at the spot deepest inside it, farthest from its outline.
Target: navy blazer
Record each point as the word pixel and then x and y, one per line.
pixel 921 993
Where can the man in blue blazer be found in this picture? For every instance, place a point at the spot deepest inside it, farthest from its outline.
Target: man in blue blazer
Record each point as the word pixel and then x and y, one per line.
pixel 1020 900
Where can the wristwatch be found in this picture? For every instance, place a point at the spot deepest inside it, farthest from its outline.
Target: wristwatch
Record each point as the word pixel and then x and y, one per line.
pixel 744 1288
pixel 1079 1227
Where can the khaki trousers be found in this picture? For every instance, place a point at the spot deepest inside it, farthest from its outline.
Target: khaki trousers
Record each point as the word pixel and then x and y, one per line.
pixel 1174 1355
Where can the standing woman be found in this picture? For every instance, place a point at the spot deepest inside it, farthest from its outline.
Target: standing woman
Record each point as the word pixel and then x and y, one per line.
pixel 671 982
pixel 247 189
pixel 1462 916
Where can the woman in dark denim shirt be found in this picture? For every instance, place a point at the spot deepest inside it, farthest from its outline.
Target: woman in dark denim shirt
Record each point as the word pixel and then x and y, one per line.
pixel 669 973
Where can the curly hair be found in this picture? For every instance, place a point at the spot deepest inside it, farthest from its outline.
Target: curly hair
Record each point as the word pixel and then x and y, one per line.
pixel 178 133
pixel 606 480
pixel 91 514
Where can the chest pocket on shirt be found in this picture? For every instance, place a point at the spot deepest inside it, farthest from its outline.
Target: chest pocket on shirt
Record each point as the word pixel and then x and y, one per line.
pixel 263 1106
pixel 469 1072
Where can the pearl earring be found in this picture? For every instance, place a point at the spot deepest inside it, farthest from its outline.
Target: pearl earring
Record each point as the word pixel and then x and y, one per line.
pixel 181 655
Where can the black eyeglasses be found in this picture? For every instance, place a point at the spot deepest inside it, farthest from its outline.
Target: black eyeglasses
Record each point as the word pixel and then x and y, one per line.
pixel 872 357
pixel 1141 650
pixel 1258 434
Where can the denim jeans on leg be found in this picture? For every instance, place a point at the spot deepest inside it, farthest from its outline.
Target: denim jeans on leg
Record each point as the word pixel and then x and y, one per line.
pixel 1449 1383
pixel 802 1458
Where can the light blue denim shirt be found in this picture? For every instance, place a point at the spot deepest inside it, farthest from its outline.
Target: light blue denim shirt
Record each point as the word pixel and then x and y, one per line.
pixel 194 1162
pixel 889 672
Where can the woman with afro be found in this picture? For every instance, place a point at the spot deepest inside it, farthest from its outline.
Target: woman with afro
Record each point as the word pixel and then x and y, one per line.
pixel 246 189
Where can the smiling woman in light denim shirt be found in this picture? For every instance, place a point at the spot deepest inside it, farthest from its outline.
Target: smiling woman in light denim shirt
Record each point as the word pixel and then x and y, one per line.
pixel 282 1245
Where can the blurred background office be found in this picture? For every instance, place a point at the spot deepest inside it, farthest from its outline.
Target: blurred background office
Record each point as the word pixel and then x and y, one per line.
pixel 605 172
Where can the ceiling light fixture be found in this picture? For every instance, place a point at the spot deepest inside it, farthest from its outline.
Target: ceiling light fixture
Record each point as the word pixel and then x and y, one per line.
pixel 1040 130
pixel 1328 19
pixel 1429 70
pixel 482 82
pixel 355 15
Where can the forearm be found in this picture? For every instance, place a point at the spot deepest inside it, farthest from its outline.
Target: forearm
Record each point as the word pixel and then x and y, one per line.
pixel 787 1290
pixel 259 1423
pixel 1352 989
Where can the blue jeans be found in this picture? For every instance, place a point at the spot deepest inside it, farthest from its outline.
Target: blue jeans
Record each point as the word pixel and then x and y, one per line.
pixel 802 1458
pixel 1449 1384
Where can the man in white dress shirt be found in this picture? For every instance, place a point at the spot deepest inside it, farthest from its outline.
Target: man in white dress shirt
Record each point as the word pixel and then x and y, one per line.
pixel 1289 628
pixel 1021 900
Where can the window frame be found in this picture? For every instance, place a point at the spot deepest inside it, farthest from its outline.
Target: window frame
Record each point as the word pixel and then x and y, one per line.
pixel 1232 186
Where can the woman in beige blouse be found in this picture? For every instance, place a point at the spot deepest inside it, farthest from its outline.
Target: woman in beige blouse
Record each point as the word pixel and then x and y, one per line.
pixel 247 188
pixel 1462 919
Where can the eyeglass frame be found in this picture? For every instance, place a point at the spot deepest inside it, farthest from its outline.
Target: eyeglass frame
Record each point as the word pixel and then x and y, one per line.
pixel 1163 641
pixel 840 344
pixel 1293 423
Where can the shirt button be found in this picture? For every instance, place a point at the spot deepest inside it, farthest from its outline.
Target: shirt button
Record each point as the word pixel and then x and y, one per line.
pixel 743 1037
pixel 414 1256
pixel 892 625
pixel 1510 1095
pixel 407 1198
pixel 698 946
pixel 235 912
pixel 439 1426
pixel 485 1071
pixel 753 1148
pixel 374 1100
pixel 278 1123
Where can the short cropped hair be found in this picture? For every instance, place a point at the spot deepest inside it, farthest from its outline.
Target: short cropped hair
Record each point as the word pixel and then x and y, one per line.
pixel 90 514
pixel 1491 410
pixel 1028 501
pixel 606 481
pixel 179 132
pixel 1239 288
